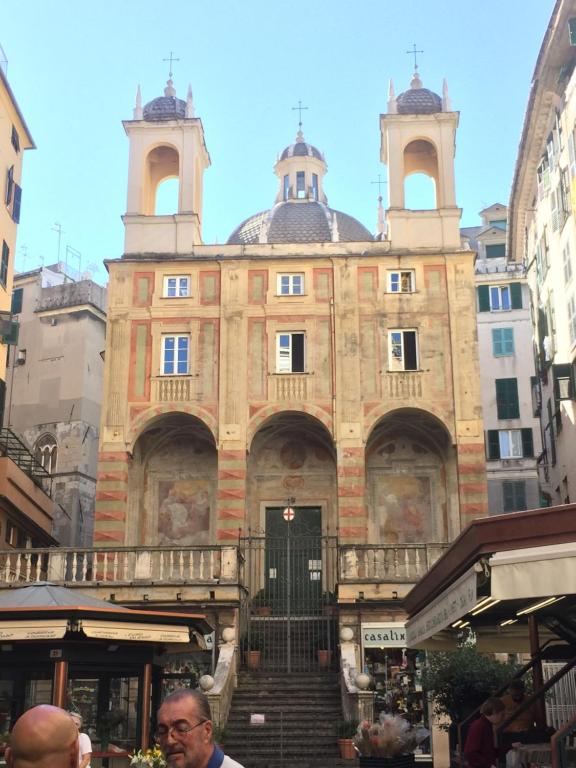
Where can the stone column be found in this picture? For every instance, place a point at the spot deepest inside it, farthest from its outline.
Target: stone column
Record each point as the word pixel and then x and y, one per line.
pixel 111 498
pixel 352 519
pixel 231 494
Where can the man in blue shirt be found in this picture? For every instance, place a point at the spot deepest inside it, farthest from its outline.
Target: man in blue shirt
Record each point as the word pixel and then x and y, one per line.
pixel 184 732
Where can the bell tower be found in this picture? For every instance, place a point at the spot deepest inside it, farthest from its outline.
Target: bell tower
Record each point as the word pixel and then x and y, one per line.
pixel 166 142
pixel 418 135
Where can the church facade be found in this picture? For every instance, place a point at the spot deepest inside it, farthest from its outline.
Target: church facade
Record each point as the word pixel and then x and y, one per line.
pixel 305 362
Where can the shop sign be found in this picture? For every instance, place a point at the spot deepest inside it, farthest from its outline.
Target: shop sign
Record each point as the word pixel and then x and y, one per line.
pixel 451 605
pixel 384 635
pixel 33 629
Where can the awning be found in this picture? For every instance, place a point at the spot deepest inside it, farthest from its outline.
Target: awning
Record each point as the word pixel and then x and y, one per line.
pixel 533 572
pixel 448 607
pixel 124 630
pixel 33 629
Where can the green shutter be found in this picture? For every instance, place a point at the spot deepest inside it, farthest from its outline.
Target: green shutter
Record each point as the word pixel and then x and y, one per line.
pixel 493 444
pixel 497 348
pixel 527 442
pixel 516 295
pixel 507 399
pixel 483 298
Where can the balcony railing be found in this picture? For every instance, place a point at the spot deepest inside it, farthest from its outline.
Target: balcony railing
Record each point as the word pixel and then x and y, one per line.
pixel 123 565
pixel 403 385
pixel 404 562
pixel 176 389
pixel 290 387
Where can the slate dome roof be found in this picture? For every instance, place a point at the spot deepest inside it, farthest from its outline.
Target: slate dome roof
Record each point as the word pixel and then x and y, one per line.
pixel 299 221
pixel 166 107
pixel 418 100
pixel 301 148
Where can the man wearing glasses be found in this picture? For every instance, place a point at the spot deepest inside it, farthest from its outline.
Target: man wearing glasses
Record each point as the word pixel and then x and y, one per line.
pixel 184 732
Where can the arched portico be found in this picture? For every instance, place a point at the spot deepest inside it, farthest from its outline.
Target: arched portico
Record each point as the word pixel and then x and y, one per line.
pixel 172 483
pixel 411 479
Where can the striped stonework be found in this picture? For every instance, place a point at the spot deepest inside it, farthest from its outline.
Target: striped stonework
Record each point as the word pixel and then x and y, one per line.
pixel 231 496
pixel 352 520
pixel 111 497
pixel 472 486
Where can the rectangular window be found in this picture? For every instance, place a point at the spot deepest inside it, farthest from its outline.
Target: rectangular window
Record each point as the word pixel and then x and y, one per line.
pixel 502 342
pixel 567 263
pixel 571 306
pixel 300 184
pixel 177 286
pixel 9 185
pixel 514 495
pixel 499 298
pixel 15 139
pixel 286 187
pixel 402 350
pixel 401 282
pixel 497 251
pixel 17 296
pixel 175 355
pixel 564 388
pixel 4 263
pixel 498 223
pixel 507 399
pixel 509 443
pixel 290 352
pixel 315 186
pixel 290 284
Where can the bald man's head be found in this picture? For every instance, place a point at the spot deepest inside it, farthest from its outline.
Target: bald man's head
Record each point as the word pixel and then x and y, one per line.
pixel 44 737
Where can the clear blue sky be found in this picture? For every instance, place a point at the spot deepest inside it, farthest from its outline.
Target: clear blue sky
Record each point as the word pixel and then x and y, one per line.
pixel 74 68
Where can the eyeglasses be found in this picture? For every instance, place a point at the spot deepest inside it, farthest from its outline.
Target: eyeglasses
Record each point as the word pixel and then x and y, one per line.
pixel 180 728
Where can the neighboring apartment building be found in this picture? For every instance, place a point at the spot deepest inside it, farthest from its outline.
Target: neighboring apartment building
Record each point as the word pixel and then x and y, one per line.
pixel 26 509
pixel 55 388
pixel 507 368
pixel 542 234
pixel 15 138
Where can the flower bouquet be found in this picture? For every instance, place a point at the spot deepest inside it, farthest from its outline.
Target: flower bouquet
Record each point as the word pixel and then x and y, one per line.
pixel 390 741
pixel 148 758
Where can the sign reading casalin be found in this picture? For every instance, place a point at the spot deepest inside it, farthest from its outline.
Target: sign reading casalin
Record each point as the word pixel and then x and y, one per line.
pixel 451 605
pixel 384 635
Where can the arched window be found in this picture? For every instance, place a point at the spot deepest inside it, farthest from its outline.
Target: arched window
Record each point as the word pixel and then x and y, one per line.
pixel 161 188
pixel 46 452
pixel 167 197
pixel 419 192
pixel 421 176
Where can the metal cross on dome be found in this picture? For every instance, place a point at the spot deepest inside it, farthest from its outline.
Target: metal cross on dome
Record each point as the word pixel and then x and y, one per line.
pixel 380 182
pixel 299 108
pixel 414 53
pixel 171 60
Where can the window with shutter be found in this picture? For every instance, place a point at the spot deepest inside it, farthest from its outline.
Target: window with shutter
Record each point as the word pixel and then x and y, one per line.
pixel 402 351
pixel 17 296
pixel 502 342
pixel 514 495
pixel 516 295
pixel 492 444
pixel 507 399
pixel 9 185
pixel 290 352
pixel 16 203
pixel 527 442
pixel 4 263
pixel 496 251
pixel 483 292
pixel 563 381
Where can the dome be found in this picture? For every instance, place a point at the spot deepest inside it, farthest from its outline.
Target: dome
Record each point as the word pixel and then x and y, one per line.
pixel 166 107
pixel 301 149
pixel 299 221
pixel 418 100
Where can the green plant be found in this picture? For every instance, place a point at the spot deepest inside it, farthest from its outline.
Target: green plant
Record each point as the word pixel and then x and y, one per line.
pixel 219 732
pixel 346 729
pixel 263 597
pixel 149 758
pixel 461 680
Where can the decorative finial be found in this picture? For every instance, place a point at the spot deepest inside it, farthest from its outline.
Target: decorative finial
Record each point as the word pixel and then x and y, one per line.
pixel 299 108
pixel 300 138
pixel 392 107
pixel 189 103
pixel 380 226
pixel 138 105
pixel 335 233
pixel 415 82
pixel 170 90
pixel 446 107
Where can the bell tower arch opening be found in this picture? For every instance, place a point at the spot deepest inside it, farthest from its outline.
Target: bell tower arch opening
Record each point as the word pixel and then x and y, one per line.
pixel 162 181
pixel 421 177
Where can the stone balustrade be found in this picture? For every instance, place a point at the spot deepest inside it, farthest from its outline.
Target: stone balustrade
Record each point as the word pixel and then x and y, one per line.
pixel 402 563
pixel 121 565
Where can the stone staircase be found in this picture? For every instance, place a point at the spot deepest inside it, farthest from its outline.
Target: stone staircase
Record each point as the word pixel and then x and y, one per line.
pixel 300 710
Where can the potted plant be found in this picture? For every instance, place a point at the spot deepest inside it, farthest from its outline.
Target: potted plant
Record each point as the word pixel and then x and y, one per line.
pixel 219 733
pixel 389 742
pixel 252 646
pixel 345 731
pixel 108 724
pixel 148 758
pixel 261 603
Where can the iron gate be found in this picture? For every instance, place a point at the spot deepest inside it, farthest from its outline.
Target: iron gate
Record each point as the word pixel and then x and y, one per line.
pixel 289 574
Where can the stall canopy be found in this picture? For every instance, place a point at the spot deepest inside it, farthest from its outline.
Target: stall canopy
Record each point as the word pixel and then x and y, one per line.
pixel 497 573
pixel 44 611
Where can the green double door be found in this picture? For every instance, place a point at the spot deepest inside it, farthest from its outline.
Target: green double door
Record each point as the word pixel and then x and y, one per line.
pixel 293 561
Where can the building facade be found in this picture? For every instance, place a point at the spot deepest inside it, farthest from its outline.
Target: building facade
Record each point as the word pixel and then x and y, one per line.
pixel 542 234
pixel 507 369
pixel 303 359
pixel 55 388
pixel 15 138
